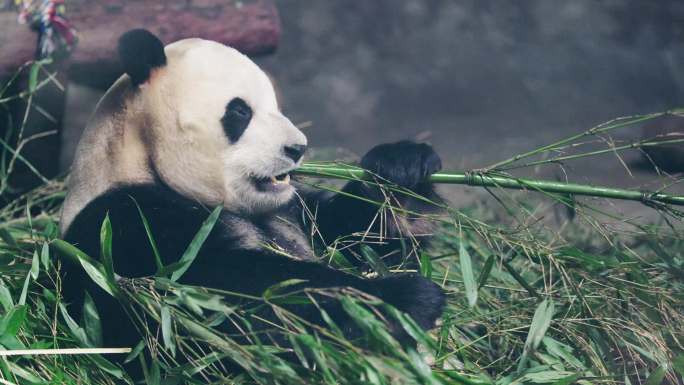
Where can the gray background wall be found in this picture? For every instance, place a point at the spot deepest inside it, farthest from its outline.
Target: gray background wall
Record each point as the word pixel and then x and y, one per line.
pixel 480 79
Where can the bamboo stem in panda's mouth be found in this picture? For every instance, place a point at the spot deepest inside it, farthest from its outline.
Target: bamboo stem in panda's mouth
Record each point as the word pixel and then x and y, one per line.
pixel 492 179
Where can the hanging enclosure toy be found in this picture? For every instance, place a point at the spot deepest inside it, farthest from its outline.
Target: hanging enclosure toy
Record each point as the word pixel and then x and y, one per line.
pixel 56 35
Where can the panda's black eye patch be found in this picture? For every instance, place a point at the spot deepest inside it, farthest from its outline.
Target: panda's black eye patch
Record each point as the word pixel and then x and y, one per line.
pixel 236 119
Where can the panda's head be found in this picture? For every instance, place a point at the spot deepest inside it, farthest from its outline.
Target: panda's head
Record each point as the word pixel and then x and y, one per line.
pixel 209 122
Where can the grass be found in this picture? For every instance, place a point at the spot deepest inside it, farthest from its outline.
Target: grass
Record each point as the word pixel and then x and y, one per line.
pixel 588 298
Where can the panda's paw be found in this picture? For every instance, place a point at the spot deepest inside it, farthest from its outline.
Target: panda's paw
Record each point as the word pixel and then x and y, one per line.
pixel 404 163
pixel 421 298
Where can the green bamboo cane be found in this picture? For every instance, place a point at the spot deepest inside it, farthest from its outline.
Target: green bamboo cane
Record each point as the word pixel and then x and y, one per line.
pixel 339 171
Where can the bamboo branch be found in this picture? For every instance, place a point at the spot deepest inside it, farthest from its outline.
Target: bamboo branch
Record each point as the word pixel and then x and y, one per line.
pixel 60 352
pixel 338 171
pixel 605 127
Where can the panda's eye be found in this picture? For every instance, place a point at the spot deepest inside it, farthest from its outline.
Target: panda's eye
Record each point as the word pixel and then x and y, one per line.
pixel 240 109
pixel 236 119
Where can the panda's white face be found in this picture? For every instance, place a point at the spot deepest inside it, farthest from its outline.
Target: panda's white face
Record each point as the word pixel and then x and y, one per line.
pixel 216 133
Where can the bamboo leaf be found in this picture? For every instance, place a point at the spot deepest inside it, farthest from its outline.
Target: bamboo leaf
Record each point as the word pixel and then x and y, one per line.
pixel 657 376
pixel 193 249
pixel 167 330
pixel 135 352
pixel 51 230
pixel 374 260
pixel 35 265
pixel 330 322
pixel 155 374
pixel 150 238
pixel 8 238
pixel 98 276
pixel 107 366
pixel 45 256
pixel 24 290
pixel 426 265
pixel 562 351
pixel 92 267
pixel 75 330
pixel 367 321
pixel 313 346
pixel 6 298
pixel 421 369
pixel 13 320
pixel 200 364
pixel 91 321
pixel 338 260
pixel 278 287
pixel 169 269
pixel 486 270
pixel 467 273
pixel 33 76
pixel 540 324
pixel 571 379
pixel 546 376
pixel 678 364
pixel 519 278
pixel 413 329
pixel 106 247
pixel 20 371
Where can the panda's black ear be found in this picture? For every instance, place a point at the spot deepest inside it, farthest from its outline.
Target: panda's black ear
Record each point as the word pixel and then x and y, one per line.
pixel 140 52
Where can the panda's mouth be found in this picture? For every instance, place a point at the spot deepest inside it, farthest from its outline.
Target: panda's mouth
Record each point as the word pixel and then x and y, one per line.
pixel 273 183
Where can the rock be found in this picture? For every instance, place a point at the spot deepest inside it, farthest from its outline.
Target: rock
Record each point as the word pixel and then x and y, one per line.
pixel 668 157
pixel 17 43
pixel 251 26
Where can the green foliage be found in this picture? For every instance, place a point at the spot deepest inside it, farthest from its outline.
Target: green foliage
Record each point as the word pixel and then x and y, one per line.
pixel 532 298
pixel 191 252
pixel 582 310
pixel 467 273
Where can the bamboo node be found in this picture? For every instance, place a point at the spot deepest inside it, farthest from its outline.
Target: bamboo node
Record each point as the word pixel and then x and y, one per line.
pixel 470 177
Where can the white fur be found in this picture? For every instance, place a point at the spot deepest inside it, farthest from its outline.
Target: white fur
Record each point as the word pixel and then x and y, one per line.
pixel 172 126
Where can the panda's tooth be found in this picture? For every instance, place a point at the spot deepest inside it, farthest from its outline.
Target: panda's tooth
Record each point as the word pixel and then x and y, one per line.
pixel 285 180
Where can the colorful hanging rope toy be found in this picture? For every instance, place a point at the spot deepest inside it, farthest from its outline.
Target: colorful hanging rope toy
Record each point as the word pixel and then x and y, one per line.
pixel 56 36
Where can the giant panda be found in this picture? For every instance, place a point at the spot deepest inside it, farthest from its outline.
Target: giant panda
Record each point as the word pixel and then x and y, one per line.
pixel 196 125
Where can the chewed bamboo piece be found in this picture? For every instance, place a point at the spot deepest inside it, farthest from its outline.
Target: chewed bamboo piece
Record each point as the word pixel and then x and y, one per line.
pixel 342 171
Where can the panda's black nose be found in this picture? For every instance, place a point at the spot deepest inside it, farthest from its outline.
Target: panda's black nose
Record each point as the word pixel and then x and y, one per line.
pixel 295 151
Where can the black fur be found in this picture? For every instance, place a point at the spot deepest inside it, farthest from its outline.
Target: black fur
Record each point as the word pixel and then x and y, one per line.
pixel 236 119
pixel 404 163
pixel 140 52
pixel 224 262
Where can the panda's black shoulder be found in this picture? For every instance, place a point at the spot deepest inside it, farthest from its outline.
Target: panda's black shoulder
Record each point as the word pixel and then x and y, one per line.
pixel 173 220
pixel 125 204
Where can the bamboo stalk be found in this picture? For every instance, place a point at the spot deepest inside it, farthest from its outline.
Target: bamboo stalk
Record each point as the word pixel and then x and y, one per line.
pixel 338 171
pixel 55 352
pixel 635 145
pixel 612 125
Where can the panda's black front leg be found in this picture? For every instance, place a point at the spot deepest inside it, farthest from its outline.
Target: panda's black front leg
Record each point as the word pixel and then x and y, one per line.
pixel 394 234
pixel 253 272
